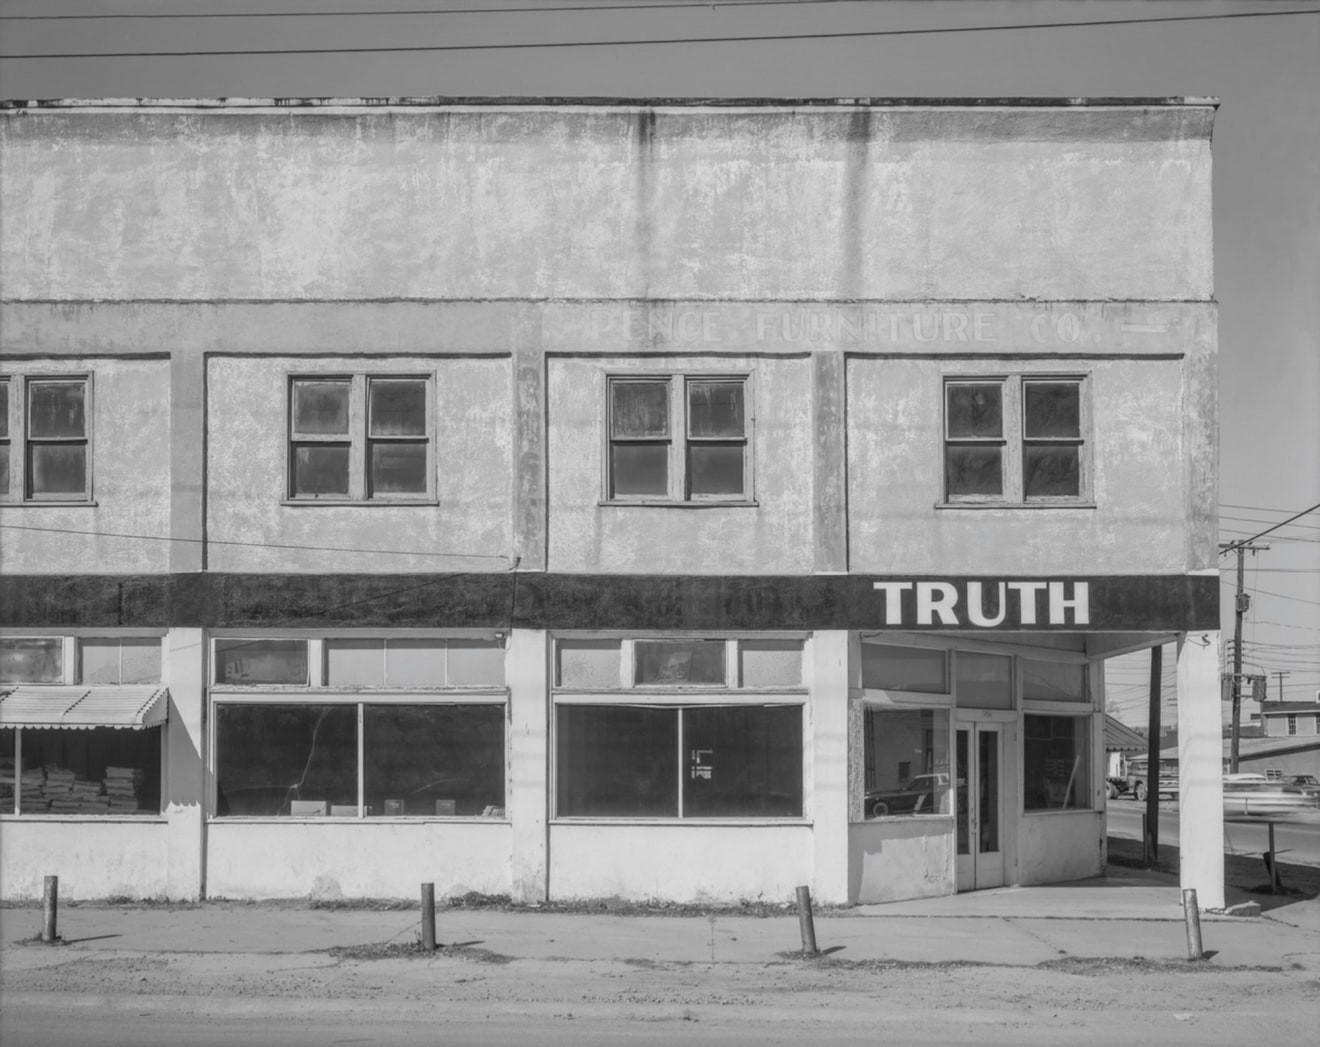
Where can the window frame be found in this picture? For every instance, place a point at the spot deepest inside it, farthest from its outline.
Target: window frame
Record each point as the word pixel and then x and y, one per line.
pixel 17 442
pixel 679 699
pixel 679 440
pixel 316 691
pixel 359 439
pixel 1013 441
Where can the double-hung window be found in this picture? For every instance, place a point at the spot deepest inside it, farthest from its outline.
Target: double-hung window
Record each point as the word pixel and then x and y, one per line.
pixel 356 438
pixel 45 431
pixel 1016 440
pixel 679 438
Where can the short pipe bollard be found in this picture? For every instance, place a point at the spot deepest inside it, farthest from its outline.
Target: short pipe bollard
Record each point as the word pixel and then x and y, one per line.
pixel 50 903
pixel 1192 915
pixel 805 923
pixel 428 917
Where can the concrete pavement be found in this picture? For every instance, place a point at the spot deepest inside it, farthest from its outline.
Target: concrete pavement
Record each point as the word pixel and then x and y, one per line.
pixel 1126 914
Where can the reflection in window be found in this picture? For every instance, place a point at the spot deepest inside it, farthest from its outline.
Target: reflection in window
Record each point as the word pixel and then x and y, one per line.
pixel 93 771
pixel 31 659
pixel 261 661
pixel 1056 766
pixel 906 761
pixel 886 667
pixel 1053 681
pixel 285 759
pixel 695 761
pixel 678 662
pixel 431 760
pixel 985 681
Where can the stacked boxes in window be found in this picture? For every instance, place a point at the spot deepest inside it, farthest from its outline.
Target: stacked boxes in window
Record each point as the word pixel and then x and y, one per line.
pixel 122 786
pixel 69 794
pixel 32 795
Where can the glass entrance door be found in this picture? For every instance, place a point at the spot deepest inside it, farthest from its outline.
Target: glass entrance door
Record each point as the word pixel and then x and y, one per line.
pixel 980 818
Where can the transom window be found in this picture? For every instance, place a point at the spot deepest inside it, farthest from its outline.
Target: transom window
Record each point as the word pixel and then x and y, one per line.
pixel 679 438
pixel 1016 440
pixel 613 664
pixel 360 437
pixel 45 434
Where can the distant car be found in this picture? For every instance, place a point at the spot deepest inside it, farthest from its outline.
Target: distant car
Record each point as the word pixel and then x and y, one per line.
pixel 1263 799
pixel 1306 782
pixel 921 795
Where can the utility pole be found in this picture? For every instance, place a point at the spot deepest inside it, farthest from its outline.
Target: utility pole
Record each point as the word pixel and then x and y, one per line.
pixel 1241 604
pixel 1281 675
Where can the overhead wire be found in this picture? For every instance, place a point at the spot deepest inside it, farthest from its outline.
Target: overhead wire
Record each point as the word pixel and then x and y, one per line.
pixel 664 41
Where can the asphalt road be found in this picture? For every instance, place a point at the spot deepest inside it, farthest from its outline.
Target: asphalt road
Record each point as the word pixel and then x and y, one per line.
pixel 1293 841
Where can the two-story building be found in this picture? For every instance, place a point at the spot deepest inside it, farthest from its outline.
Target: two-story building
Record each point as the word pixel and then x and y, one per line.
pixel 677 500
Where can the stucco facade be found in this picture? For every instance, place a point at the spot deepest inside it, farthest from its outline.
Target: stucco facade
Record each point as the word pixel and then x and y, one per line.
pixel 550 397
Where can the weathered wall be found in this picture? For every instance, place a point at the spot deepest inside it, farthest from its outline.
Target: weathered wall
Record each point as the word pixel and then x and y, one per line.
pixel 612 201
pixel 1138 521
pixel 894 860
pixel 697 863
pixel 773 535
pixel 354 859
pixel 101 857
pixel 127 527
pixel 1056 847
pixel 252 527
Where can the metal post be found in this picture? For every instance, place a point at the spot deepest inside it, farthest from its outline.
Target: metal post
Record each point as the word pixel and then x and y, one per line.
pixel 428 916
pixel 1151 823
pixel 1273 862
pixel 1192 916
pixel 50 903
pixel 805 923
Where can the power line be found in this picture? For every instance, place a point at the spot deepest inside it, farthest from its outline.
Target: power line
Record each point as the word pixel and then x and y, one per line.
pixel 1247 541
pixel 658 41
pixel 257 545
pixel 603 6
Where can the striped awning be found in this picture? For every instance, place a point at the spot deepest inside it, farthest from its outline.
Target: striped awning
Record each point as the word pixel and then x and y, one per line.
pixel 83 707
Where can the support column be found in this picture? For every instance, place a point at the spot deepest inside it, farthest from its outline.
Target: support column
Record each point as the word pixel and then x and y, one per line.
pixel 528 802
pixel 1200 769
pixel 185 782
pixel 828 790
pixel 187 460
pixel 829 462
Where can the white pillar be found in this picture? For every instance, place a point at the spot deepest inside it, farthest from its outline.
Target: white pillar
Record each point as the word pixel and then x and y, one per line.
pixel 527 672
pixel 1200 769
pixel 184 780
pixel 828 793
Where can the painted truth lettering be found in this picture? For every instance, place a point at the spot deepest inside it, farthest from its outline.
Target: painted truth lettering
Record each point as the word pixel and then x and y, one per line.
pixel 985 606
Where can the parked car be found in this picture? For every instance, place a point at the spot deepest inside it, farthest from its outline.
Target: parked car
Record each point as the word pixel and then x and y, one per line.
pixel 1263 798
pixel 1115 787
pixel 1306 782
pixel 921 795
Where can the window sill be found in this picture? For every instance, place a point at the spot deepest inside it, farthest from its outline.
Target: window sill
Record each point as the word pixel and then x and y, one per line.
pixel 1015 505
pixel 34 503
pixel 352 819
pixel 66 819
pixel 669 503
pixel 360 503
pixel 1055 811
pixel 892 819
pixel 736 820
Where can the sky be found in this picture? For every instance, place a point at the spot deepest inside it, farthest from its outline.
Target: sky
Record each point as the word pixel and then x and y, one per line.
pixel 1260 58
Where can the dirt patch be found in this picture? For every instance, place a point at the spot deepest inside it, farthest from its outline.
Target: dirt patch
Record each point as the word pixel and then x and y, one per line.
pixel 416 951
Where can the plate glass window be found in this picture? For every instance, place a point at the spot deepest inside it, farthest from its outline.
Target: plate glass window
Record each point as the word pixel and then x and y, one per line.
pixel 906 762
pixel 4 440
pixel 1056 768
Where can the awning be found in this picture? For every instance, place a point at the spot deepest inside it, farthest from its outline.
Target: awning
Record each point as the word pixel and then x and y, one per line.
pixel 1120 738
pixel 82 707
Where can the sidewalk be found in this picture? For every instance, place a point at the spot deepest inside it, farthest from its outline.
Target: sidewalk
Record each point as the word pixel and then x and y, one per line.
pixel 1124 915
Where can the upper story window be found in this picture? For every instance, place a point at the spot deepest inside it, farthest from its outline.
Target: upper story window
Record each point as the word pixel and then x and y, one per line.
pixel 1016 440
pixel 45 433
pixel 679 438
pixel 356 438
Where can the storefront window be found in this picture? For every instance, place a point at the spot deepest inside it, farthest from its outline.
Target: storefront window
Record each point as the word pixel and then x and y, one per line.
pixel 678 662
pixel 97 770
pixel 588 664
pixel 985 681
pixel 713 761
pixel 32 659
pixel 1056 767
pixel 261 661
pixel 1053 681
pixel 126 661
pixel 906 754
pixel 296 760
pixel 886 667
pixel 433 760
pixel 770 663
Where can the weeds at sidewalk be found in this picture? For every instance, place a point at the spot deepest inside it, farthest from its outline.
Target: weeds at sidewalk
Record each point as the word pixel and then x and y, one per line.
pixel 416 951
pixel 1084 966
